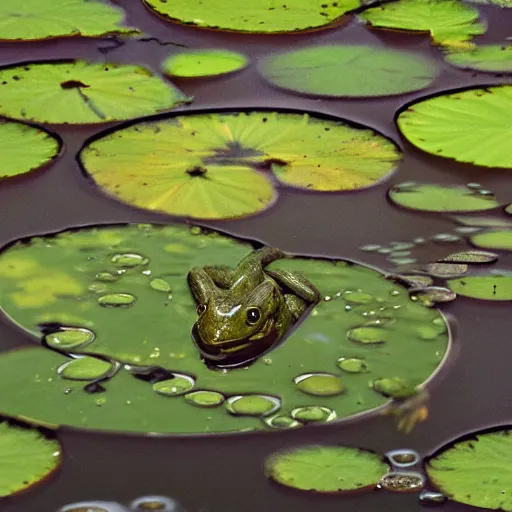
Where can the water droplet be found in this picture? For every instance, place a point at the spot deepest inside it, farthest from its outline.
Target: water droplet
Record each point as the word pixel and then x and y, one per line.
pixel 358 297
pixel 85 368
pixel 446 270
pixel 403 458
pixel 205 398
pixel 445 238
pixel 160 285
pixel 370 247
pixel 353 365
pixel 319 384
pixel 484 192
pixel 433 294
pixel 155 504
pixel 100 402
pixel 69 338
pixel 472 256
pixel 313 414
pixel 116 300
pixel 179 385
pixel 395 387
pixel 397 481
pixel 195 230
pixel 129 260
pixel 106 277
pixel 431 498
pixel 367 335
pixel 253 405
pixel 281 422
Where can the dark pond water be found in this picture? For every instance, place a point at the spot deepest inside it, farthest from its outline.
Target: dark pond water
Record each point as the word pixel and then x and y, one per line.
pixel 224 473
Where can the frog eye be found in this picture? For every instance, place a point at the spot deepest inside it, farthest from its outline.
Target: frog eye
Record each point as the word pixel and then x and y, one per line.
pixel 201 308
pixel 253 315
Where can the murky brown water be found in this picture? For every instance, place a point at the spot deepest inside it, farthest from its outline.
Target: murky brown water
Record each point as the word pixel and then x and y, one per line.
pixel 224 473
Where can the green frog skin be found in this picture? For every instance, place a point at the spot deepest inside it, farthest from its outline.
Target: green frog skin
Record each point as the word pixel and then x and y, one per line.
pixel 245 311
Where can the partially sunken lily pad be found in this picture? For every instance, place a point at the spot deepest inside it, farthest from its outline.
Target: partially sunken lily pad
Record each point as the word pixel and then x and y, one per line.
pixel 499 239
pixel 80 92
pixel 327 469
pixel 201 63
pixel 24 147
pixel 446 270
pixel 348 71
pixel 30 20
pixel 154 335
pixel 469 126
pixel 440 198
pixel 402 481
pixel 257 16
pixel 493 57
pixel 487 287
pixel 26 457
pixel 476 471
pixel 472 256
pixel 449 22
pixel 217 166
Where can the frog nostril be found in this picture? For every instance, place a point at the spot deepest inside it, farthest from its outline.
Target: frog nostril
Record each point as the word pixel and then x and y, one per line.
pixel 201 308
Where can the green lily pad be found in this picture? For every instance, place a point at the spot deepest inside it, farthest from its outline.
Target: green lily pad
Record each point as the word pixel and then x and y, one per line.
pixel 201 63
pixel 256 16
pixel 499 3
pixel 472 256
pixel 487 287
pixel 26 457
pixel 448 21
pixel 24 148
pixel 476 471
pixel 440 198
pixel 218 166
pixel 30 20
pixel 80 92
pixel 498 239
pixel 469 126
pixel 348 71
pixel 482 222
pixel 492 57
pixel 49 281
pixel 327 469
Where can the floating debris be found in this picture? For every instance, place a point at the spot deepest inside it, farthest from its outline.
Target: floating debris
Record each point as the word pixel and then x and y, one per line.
pixel 397 481
pixel 472 256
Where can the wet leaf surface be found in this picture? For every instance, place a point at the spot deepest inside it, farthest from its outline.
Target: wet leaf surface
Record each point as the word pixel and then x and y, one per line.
pixel 472 256
pixel 487 287
pixel 348 71
pixel 493 58
pixel 498 239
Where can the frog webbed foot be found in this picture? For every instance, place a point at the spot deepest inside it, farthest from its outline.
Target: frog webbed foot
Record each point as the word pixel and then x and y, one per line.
pixel 410 411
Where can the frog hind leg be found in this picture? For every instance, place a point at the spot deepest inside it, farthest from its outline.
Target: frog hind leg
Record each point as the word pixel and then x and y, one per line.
pixel 297 284
pixel 222 275
pixel 295 305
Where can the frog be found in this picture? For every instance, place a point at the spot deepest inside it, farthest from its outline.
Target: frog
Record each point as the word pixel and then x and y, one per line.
pixel 245 311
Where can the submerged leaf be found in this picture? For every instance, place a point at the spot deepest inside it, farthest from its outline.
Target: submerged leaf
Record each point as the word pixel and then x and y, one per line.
pixel 78 92
pixel 26 457
pixel 348 71
pixel 487 287
pixel 476 471
pixel 200 63
pixel 472 256
pixel 326 469
pixel 492 57
pixel 499 239
pixel 24 148
pixel 469 126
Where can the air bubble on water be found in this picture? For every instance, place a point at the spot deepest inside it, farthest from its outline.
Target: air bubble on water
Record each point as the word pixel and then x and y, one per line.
pixel 205 398
pixel 178 385
pixel 431 498
pixel 313 414
pixel 403 458
pixel 160 285
pixel 129 260
pixel 253 405
pixel 69 338
pixel 155 504
pixel 358 297
pixel 402 481
pixel 281 422
pixel 394 293
pixel 367 335
pixel 348 307
pixel 319 384
pixel 146 272
pixel 353 365
pixel 116 300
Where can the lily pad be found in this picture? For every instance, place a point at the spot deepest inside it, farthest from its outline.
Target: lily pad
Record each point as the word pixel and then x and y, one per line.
pixel 482 222
pixel 49 281
pixel 500 240
pixel 24 148
pixel 348 71
pixel 449 22
pixel 476 471
pixel 220 165
pixel 256 16
pixel 492 57
pixel 30 20
pixel 468 126
pixel 472 256
pixel 327 469
pixel 487 287
pixel 201 63
pixel 440 198
pixel 78 92
pixel 26 457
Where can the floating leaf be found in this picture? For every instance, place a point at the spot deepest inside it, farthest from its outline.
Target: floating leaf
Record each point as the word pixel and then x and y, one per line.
pixel 482 222
pixel 476 471
pixel 326 468
pixel 492 57
pixel 499 3
pixel 472 256
pixel 431 295
pixel 217 165
pixel 24 147
pixel 440 198
pixel 26 457
pixel 446 270
pixel 487 287
pixel 30 20
pixel 200 63
pixel 448 21
pixel 81 92
pixel 499 239
pixel 153 336
pixel 468 126
pixel 402 481
pixel 348 71
pixel 257 16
